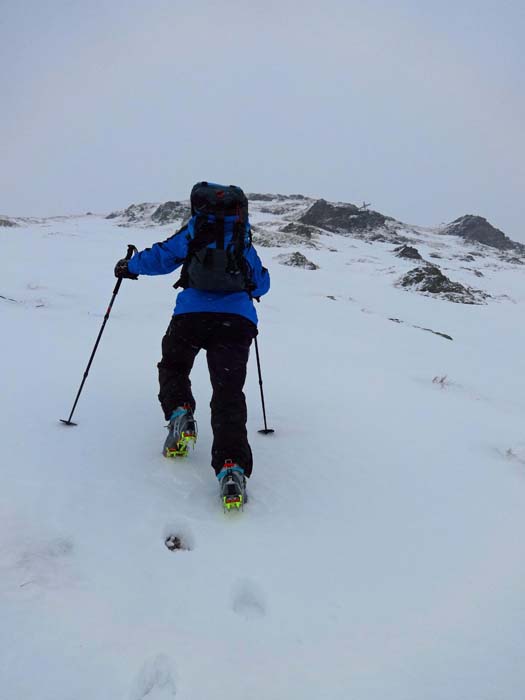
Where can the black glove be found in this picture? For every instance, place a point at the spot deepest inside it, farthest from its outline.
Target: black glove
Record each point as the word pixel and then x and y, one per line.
pixel 121 270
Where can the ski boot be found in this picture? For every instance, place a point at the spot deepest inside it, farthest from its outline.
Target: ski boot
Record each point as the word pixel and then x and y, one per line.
pixel 233 486
pixel 182 432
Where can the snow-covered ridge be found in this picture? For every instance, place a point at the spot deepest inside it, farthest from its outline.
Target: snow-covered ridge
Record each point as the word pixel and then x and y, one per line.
pixel 300 215
pixel 451 261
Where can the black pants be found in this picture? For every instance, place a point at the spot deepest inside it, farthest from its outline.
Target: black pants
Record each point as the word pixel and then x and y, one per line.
pixel 226 339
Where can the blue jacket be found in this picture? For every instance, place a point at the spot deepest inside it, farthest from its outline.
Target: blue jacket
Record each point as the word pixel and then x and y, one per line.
pixel 165 257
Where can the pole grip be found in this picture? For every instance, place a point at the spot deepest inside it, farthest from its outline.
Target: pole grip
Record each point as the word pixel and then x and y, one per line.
pixel 131 249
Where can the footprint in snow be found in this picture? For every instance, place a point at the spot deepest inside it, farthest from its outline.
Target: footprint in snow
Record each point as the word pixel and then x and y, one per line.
pixel 178 536
pixel 45 563
pixel 248 600
pixel 155 680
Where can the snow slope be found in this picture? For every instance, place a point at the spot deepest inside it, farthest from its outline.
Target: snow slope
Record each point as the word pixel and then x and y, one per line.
pixel 381 553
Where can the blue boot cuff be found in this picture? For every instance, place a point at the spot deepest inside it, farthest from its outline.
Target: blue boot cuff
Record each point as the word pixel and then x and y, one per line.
pixel 223 472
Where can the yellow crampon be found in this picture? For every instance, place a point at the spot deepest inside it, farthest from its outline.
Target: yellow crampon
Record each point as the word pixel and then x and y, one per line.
pixel 233 502
pixel 182 447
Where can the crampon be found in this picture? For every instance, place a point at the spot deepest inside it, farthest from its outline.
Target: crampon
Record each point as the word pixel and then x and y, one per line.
pixel 233 487
pixel 182 447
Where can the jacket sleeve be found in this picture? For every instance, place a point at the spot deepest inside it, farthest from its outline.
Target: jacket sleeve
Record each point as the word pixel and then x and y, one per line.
pixel 259 274
pixel 162 258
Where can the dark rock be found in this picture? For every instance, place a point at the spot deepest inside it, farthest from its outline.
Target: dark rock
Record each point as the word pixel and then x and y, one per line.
pixel 171 211
pixel 422 328
pixel 341 218
pixel 176 543
pixel 135 212
pixel 429 330
pixel 429 279
pixel 257 197
pixel 254 197
pixel 275 209
pixel 297 259
pixel 7 223
pixel 297 229
pixel 408 252
pixel 476 228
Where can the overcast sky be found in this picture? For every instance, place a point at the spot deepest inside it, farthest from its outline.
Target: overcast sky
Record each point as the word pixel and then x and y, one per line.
pixel 417 107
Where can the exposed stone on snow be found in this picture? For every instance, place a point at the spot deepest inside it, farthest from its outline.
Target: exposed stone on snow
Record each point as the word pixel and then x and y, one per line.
pixel 408 252
pixel 383 235
pixel 150 214
pixel 428 279
pixel 342 218
pixel 14 301
pixel 476 228
pixel 268 236
pixel 257 197
pixel 135 213
pixel 422 328
pixel 302 230
pixel 514 260
pixel 4 221
pixel 301 234
pixel 175 542
pixel 169 212
pixel 297 259
pixel 429 330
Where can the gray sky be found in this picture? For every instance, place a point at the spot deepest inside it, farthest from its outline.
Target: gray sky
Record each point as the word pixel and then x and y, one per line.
pixel 415 106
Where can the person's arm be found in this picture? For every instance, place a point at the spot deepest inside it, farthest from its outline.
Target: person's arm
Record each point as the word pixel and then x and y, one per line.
pixel 162 258
pixel 259 274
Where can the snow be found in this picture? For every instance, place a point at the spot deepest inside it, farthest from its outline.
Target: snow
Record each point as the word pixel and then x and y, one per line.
pixel 380 554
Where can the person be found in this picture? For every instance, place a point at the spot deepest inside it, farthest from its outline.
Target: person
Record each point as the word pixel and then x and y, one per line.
pixel 221 276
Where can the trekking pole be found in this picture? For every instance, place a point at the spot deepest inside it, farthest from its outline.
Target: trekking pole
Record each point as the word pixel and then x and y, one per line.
pixel 266 430
pixel 131 250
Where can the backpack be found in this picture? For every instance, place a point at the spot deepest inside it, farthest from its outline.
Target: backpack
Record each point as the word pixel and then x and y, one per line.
pixel 218 233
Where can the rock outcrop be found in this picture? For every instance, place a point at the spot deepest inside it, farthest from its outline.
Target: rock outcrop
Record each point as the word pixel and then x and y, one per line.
pixel 297 259
pixel 408 252
pixel 302 230
pixel 258 197
pixel 428 279
pixel 135 213
pixel 476 228
pixel 341 218
pixel 169 212
pixel 4 221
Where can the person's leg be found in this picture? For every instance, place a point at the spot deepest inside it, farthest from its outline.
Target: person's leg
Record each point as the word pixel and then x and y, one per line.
pixel 180 346
pixel 227 353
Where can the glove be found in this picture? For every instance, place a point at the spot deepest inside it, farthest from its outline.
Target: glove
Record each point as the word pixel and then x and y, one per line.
pixel 121 270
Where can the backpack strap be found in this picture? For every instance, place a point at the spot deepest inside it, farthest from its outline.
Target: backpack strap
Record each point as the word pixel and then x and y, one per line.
pixel 183 280
pixel 205 229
